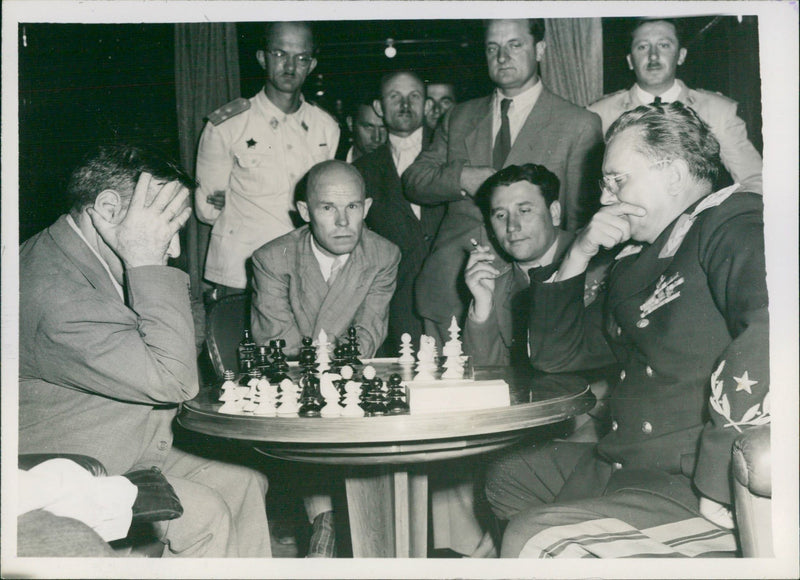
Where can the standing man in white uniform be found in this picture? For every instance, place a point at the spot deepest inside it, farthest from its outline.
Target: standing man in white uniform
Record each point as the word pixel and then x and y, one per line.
pixel 253 152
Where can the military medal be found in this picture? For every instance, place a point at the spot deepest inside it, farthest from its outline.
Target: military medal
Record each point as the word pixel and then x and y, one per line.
pixel 666 291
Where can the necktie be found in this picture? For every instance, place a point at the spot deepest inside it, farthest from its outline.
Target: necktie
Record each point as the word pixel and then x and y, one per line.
pixel 656 101
pixel 336 267
pixel 502 145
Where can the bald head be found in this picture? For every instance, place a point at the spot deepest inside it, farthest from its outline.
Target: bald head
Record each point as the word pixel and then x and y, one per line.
pixel 334 205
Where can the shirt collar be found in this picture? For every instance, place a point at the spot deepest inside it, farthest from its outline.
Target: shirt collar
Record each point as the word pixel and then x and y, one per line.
pixel 78 231
pixel 525 100
pixel 325 262
pixel 668 96
pixel 271 110
pixel 413 141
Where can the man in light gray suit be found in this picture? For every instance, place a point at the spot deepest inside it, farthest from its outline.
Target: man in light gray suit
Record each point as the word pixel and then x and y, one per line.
pixel 107 351
pixel 328 275
pixel 520 122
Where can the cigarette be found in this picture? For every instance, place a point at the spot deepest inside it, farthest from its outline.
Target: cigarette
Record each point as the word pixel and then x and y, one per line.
pixel 474 242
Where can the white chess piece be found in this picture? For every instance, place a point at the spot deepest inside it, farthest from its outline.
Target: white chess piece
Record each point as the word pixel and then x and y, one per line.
pixel 406 350
pixel 266 394
pixel 323 352
pixel 290 393
pixel 426 359
pixel 352 398
pixel 228 390
pixel 330 393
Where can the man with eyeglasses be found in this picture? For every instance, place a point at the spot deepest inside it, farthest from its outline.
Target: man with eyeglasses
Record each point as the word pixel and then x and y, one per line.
pixel 253 152
pixel 656 52
pixel 685 317
pixel 520 122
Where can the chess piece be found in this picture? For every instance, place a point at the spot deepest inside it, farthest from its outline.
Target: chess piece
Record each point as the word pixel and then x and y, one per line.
pixel 228 387
pixel 339 359
pixel 426 359
pixel 246 352
pixel 289 392
pixel 372 393
pixel 267 394
pixel 345 374
pixel 398 402
pixel 406 350
pixel 331 395
pixel 263 363
pixel 310 398
pixel 323 352
pixel 367 376
pixel 280 368
pixel 352 351
pixel 307 358
pixel 352 407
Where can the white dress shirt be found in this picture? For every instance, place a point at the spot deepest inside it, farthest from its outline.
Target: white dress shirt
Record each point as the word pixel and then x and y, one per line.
pixel 404 151
pixel 326 262
pixel 668 96
pixel 521 106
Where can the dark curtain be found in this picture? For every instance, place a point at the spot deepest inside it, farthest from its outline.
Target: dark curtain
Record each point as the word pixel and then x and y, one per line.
pixel 572 66
pixel 206 77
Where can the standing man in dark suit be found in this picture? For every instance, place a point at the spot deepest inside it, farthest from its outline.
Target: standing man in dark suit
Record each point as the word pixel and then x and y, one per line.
pixel 520 122
pixel 410 226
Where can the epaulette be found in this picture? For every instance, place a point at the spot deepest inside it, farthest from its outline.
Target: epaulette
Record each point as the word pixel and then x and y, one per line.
pixel 715 94
pixel 229 110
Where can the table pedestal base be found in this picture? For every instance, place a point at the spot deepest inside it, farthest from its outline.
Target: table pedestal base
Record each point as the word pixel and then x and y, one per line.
pixel 388 508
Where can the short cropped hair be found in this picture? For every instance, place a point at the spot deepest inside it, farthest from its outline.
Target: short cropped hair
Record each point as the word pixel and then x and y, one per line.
pixel 118 167
pixel 676 24
pixel 538 175
pixel 535 27
pixel 269 28
pixel 390 76
pixel 673 131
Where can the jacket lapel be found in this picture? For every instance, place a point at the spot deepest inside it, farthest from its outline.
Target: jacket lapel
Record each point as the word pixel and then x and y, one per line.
pixel 81 256
pixel 479 140
pixel 346 289
pixel 312 285
pixel 530 136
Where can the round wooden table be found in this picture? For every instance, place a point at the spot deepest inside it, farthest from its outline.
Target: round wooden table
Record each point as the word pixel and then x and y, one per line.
pixel 387 455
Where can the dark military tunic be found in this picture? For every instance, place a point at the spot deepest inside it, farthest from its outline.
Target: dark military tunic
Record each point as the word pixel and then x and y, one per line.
pixel 686 318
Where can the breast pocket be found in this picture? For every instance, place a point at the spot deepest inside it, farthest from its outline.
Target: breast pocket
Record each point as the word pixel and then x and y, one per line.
pixel 257 174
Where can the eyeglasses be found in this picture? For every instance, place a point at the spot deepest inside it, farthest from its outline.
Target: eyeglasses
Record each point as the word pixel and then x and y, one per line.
pixel 303 60
pixel 612 183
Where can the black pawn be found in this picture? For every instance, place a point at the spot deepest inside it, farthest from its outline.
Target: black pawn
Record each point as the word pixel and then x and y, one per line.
pixel 375 403
pixel 352 347
pixel 339 359
pixel 263 361
pixel 308 357
pixel 397 396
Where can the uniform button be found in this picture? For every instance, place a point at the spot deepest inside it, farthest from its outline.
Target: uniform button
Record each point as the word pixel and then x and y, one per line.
pixel 647 428
pixel 289 146
pixel 162 445
pixel 648 371
pixel 616 465
pixel 622 375
pixel 619 331
pixel 614 425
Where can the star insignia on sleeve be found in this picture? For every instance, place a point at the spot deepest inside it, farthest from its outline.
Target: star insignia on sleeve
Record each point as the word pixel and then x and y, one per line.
pixel 744 383
pixel 251 143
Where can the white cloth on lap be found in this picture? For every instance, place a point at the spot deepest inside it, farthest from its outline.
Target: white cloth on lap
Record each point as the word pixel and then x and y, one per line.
pixel 64 488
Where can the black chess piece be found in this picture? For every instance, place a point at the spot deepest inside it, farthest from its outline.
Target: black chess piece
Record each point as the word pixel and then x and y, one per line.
pixel 246 352
pixel 397 403
pixel 263 363
pixel 308 356
pixel 374 402
pixel 280 368
pixel 310 397
pixel 352 343
pixel 339 359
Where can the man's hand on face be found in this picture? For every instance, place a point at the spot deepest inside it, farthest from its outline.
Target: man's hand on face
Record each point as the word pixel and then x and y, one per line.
pixel 479 276
pixel 144 234
pixel 217 199
pixel 609 226
pixel 473 177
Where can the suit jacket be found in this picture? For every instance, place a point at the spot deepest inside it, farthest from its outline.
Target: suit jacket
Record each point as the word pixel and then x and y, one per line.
pixel 738 154
pixel 391 216
pixel 291 299
pixel 683 313
pixel 99 376
pixel 557 134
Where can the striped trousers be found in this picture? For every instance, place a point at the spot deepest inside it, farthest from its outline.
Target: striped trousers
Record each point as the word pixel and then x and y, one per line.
pixel 563 501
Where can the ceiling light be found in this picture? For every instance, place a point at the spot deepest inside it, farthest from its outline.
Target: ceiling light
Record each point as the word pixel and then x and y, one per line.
pixel 390 51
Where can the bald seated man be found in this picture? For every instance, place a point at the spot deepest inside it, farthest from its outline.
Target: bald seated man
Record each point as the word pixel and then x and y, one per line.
pixel 330 274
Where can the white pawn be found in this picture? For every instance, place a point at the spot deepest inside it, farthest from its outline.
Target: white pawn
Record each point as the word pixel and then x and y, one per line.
pixel 234 405
pixel 330 393
pixel 323 352
pixel 406 350
pixel 267 394
pixel 352 398
pixel 290 393
pixel 228 390
pixel 426 359
pixel 252 400
pixel 453 346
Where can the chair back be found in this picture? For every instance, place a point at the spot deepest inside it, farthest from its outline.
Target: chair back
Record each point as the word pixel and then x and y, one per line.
pixel 752 487
pixel 225 323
